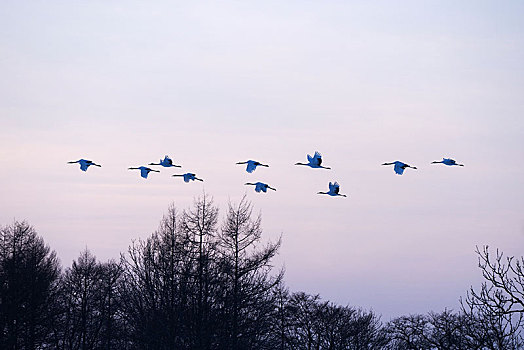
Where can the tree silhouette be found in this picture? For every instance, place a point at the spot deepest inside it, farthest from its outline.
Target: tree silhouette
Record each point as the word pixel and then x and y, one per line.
pixel 90 305
pixel 199 226
pixel 29 273
pixel 246 281
pixel 314 324
pixel 193 285
pixel 155 287
pixel 170 281
pixel 499 304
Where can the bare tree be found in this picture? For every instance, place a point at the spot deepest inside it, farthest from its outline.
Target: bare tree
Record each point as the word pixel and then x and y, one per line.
pixel 316 324
pixel 113 333
pixel 304 315
pixel 29 273
pixel 90 308
pixel 199 225
pixel 170 281
pixel 409 332
pixel 503 289
pixel 500 302
pixel 445 330
pixel 451 330
pixel 281 319
pixel 81 298
pixel 247 280
pixel 156 286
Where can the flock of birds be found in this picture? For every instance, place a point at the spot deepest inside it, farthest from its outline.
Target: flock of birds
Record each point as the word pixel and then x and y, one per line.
pixel 314 162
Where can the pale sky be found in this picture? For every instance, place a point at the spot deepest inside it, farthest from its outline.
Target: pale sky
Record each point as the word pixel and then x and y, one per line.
pixel 124 83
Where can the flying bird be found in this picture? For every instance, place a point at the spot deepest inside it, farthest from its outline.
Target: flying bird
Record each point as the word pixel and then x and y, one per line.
pixel 252 165
pixel 333 190
pixel 166 162
pixel 189 176
pixel 448 161
pixel 84 164
pixel 260 186
pixel 399 167
pixel 314 162
pixel 144 171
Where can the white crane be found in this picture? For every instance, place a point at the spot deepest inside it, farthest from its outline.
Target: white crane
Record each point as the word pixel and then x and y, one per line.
pixel 334 188
pixel 144 171
pixel 252 165
pixel 448 161
pixel 166 162
pixel 399 167
pixel 314 162
pixel 189 177
pixel 260 186
pixel 84 164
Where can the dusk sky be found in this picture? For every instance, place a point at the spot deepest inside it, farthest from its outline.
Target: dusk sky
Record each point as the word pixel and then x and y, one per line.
pixel 124 83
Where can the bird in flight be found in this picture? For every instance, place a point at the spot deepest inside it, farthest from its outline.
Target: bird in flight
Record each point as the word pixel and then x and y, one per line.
pixel 448 161
pixel 144 171
pixel 252 165
pixel 333 190
pixel 399 167
pixel 84 164
pixel 166 162
pixel 260 186
pixel 314 162
pixel 189 176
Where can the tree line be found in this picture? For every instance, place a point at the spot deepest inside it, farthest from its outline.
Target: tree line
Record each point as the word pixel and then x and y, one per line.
pixel 197 283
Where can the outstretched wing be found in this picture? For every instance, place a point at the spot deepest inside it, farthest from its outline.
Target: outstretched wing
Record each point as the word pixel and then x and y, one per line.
pixel 336 187
pixel 331 187
pixel 317 159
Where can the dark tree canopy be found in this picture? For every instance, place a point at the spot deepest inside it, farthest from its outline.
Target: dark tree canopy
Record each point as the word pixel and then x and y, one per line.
pixel 89 305
pixel 29 272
